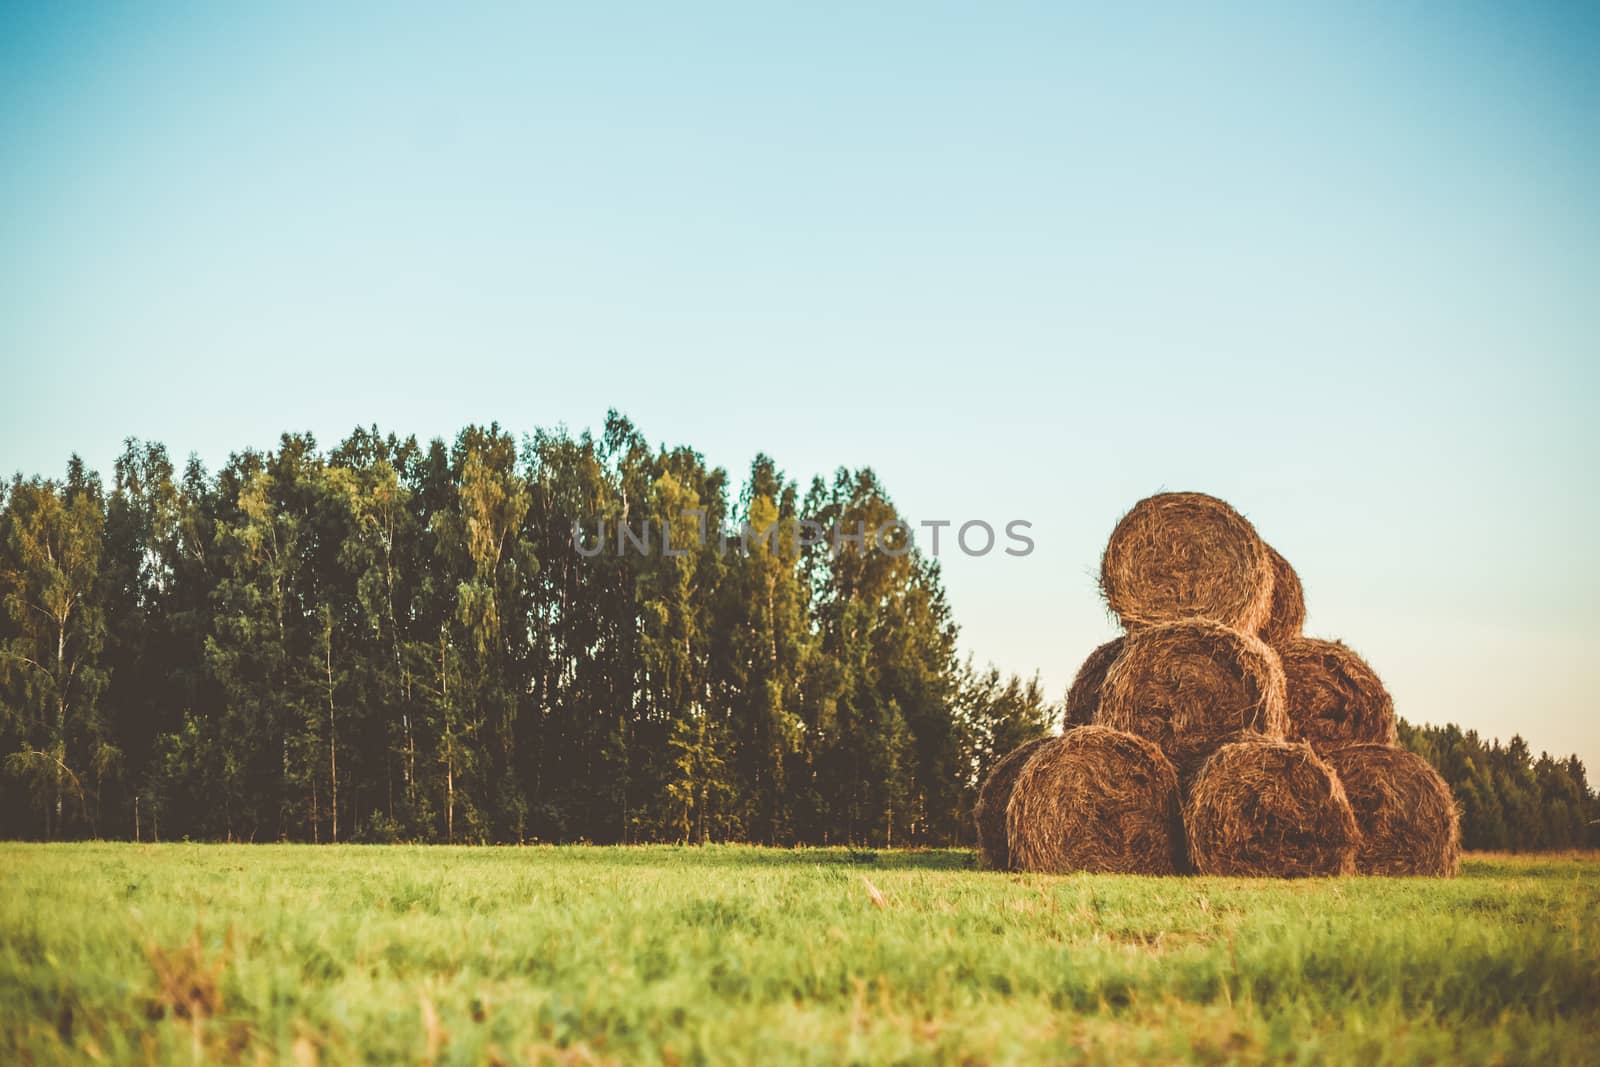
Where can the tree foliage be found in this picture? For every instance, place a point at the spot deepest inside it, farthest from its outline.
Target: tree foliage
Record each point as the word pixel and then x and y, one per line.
pixel 1509 800
pixel 393 640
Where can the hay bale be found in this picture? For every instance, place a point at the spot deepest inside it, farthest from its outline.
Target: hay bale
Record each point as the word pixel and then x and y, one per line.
pixel 1408 819
pixel 989 813
pixel 1193 686
pixel 1096 799
pixel 1181 555
pixel 1084 695
pixel 1334 697
pixel 1271 809
pixel 1288 613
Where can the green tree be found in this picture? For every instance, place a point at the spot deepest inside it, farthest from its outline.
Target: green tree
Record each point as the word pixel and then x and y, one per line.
pixel 382 565
pixel 267 611
pixel 51 545
pixel 492 564
pixel 886 747
pixel 762 646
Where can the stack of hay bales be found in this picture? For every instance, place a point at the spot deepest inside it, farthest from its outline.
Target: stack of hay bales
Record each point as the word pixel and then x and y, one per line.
pixel 1213 736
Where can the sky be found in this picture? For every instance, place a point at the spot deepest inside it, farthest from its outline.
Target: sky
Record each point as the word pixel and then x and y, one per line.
pixel 1338 265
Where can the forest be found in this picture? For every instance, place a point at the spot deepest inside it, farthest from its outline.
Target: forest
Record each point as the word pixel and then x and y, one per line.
pixel 395 641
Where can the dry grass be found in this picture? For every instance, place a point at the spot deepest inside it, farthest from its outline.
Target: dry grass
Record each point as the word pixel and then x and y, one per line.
pixel 989 813
pixel 1083 698
pixel 1193 686
pixel 1334 697
pixel 187 984
pixel 1269 809
pixel 1288 615
pixel 1096 799
pixel 1408 819
pixel 1180 555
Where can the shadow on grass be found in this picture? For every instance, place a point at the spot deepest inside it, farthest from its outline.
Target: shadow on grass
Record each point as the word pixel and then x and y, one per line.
pixel 715 856
pixel 1569 864
pixel 724 856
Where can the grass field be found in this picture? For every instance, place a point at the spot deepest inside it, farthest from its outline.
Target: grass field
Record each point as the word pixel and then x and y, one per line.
pixel 172 953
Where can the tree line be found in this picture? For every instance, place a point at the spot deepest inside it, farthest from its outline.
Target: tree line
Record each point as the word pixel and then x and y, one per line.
pixel 393 640
pixel 1510 800
pixel 397 641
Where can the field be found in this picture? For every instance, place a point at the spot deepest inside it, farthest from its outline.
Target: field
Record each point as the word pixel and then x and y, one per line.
pixel 178 953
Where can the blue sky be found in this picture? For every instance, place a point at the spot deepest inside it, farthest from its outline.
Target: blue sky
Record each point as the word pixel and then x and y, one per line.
pixel 1336 265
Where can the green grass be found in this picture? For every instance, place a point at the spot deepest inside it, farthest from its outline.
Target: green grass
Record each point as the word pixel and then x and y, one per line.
pixel 739 955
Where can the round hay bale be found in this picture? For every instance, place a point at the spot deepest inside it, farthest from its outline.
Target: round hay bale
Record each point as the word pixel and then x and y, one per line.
pixel 1408 819
pixel 1084 695
pixel 1096 799
pixel 1193 686
pixel 989 813
pixel 1269 809
pixel 1288 614
pixel 1334 697
pixel 1180 555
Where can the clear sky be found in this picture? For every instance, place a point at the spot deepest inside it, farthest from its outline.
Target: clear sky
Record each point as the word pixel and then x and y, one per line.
pixel 1338 266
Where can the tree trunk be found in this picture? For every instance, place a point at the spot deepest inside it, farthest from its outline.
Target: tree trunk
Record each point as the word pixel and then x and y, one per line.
pixel 61 715
pixel 333 748
pixel 61 739
pixel 449 749
pixel 411 744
